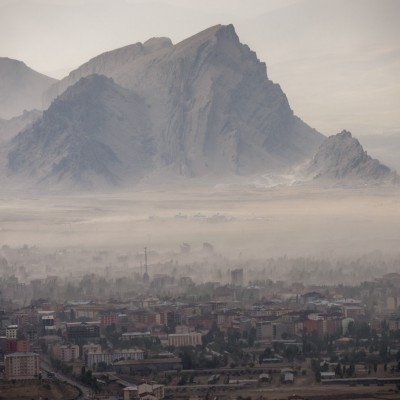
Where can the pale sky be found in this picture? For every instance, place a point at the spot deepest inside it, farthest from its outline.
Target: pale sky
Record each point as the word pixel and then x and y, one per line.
pixel 338 61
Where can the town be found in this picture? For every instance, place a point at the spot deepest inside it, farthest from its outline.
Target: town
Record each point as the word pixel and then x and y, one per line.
pixel 129 328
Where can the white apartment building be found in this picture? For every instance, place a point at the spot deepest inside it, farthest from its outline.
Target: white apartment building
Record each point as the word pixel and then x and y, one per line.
pixel 94 358
pixel 184 339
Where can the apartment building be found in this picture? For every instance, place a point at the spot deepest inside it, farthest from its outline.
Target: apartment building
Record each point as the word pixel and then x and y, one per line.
pixel 23 365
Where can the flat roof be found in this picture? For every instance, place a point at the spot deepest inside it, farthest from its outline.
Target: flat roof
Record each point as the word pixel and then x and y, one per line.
pixel 22 354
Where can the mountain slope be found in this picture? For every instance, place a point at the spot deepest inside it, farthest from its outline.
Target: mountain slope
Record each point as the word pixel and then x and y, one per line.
pixel 341 158
pixel 11 127
pixel 21 88
pixel 90 137
pixel 214 112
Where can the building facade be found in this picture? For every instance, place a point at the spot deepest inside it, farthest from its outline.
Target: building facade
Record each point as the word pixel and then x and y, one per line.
pixel 184 339
pixel 66 352
pixel 22 365
pixel 94 358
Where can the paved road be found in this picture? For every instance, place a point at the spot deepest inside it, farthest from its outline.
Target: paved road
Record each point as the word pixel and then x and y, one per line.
pixel 46 367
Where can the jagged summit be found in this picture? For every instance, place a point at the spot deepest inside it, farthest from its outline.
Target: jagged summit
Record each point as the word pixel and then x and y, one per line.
pixel 342 158
pixel 215 32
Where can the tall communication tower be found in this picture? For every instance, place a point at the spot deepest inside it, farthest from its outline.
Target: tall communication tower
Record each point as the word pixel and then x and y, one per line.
pixel 146 274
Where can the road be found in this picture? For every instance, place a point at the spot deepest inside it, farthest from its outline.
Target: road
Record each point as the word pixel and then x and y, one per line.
pixel 46 367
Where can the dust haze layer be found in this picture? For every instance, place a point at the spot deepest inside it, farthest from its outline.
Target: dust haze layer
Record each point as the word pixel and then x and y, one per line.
pixel 251 222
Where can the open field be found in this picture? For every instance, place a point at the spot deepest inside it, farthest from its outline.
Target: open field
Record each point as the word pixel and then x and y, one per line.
pixel 35 390
pixel 318 392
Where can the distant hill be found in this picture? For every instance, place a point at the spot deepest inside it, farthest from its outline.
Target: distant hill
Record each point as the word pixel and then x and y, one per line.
pixel 9 128
pixel 342 159
pixel 92 136
pixel 21 88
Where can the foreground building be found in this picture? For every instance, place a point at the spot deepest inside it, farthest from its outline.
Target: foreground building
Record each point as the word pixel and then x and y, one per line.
pixel 24 365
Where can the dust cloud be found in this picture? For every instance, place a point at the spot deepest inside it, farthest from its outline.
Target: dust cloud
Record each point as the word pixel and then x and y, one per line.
pixel 238 222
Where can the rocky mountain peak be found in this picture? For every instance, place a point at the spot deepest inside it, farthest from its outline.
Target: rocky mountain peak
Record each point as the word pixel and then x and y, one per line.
pixel 341 157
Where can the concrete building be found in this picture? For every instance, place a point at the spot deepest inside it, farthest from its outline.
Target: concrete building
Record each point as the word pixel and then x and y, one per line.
pixel 21 365
pixel 15 346
pixel 151 389
pixel 237 277
pixel 130 392
pixel 264 330
pixel 66 352
pixel 83 330
pixel 11 331
pixel 108 319
pixel 184 339
pixel 91 347
pixel 94 358
pixel 144 391
pixel 147 365
pixel 48 323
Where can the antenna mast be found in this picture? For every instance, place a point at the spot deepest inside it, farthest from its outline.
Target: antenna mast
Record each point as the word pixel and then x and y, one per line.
pixel 145 260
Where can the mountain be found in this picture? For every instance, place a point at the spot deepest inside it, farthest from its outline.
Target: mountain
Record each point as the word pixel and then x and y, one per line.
pixel 342 159
pixel 108 64
pixel 21 88
pixel 94 135
pixel 205 106
pixel 10 127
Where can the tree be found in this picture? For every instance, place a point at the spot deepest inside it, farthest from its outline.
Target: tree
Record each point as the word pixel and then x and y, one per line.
pixel 187 362
pixel 252 336
pixel 351 370
pixel 338 370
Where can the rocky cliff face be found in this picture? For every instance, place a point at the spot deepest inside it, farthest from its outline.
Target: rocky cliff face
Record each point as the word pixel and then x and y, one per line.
pixel 201 108
pixel 21 88
pixel 341 158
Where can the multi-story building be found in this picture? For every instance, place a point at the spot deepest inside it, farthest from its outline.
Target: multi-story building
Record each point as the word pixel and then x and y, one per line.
pixel 83 330
pixel 237 277
pixel 144 391
pixel 21 365
pixel 184 339
pixel 264 330
pixel 108 319
pixel 11 331
pixel 94 358
pixel 66 352
pixel 14 346
pixel 48 324
pixel 91 347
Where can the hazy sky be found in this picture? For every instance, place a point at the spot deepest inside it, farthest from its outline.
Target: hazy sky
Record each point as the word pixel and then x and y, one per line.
pixel 338 61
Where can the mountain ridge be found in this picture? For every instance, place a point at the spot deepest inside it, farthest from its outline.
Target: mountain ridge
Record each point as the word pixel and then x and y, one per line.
pixel 21 88
pixel 202 109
